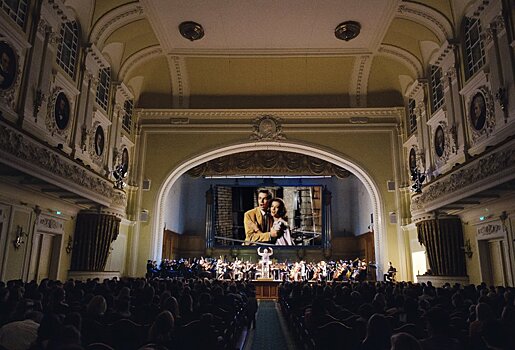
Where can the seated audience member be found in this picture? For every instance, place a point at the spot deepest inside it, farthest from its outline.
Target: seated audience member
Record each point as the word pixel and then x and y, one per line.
pixel 162 330
pixel 405 341
pixel 483 314
pixel 378 335
pixel 49 333
pixel 19 335
pixel 495 336
pixel 437 322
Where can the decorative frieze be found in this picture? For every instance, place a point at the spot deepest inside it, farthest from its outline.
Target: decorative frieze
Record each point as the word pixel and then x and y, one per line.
pixel 34 155
pixel 490 231
pixel 49 224
pixel 468 177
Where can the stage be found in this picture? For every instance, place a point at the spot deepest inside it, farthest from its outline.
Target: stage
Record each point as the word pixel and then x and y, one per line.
pixel 266 289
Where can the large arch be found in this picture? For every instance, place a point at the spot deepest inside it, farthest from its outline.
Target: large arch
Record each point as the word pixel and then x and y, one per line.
pixel 311 150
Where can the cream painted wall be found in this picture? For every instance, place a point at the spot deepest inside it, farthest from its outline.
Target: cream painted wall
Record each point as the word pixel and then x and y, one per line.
pixel 165 151
pixel 21 204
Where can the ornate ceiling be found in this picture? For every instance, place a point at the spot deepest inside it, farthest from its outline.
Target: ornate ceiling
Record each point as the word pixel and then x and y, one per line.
pixel 268 53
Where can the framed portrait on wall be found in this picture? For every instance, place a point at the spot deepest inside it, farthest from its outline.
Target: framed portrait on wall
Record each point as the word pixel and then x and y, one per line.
pixel 99 140
pixel 8 66
pixel 439 141
pixel 412 159
pixel 125 160
pixel 61 111
pixel 477 111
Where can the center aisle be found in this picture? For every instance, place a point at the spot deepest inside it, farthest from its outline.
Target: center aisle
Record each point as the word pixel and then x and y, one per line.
pixel 271 331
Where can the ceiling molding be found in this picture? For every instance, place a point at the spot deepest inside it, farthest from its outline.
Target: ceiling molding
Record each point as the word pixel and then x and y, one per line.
pixel 138 58
pixel 359 81
pixel 152 12
pixel 430 18
pixel 238 114
pixel 304 52
pixel 387 18
pixel 113 20
pixel 180 81
pixel 405 57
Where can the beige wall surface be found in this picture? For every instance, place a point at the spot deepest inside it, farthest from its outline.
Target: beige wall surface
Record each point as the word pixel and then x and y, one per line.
pixel 165 151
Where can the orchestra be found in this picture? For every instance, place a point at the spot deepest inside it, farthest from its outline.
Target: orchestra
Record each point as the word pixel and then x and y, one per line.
pixel 223 269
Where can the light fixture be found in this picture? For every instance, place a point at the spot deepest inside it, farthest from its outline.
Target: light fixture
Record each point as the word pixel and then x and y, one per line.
pixel 18 240
pixel 191 30
pixel 347 30
pixel 467 249
pixel 69 245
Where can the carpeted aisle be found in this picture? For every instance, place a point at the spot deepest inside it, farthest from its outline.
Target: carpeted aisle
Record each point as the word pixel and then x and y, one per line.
pixel 271 331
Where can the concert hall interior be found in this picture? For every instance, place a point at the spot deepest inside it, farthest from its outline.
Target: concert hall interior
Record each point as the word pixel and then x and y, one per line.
pixel 137 130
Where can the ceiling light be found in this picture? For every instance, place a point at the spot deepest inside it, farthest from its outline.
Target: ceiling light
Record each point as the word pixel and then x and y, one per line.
pixel 191 30
pixel 347 30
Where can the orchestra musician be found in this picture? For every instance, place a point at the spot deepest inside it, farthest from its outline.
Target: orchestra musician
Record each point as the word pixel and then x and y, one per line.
pixel 389 276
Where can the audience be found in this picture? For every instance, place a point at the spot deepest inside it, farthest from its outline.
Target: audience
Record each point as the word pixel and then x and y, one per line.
pixel 403 315
pixel 171 314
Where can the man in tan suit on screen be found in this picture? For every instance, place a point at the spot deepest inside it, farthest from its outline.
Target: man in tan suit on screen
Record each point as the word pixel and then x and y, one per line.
pixel 258 221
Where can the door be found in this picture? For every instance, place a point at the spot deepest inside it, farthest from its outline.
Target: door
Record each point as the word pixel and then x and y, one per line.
pixel 497 255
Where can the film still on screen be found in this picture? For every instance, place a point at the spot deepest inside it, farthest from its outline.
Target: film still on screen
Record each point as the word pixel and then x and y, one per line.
pixel 285 216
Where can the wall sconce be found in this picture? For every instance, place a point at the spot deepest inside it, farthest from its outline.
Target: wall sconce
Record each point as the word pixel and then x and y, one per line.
pixel 69 245
pixel 18 240
pixel 467 249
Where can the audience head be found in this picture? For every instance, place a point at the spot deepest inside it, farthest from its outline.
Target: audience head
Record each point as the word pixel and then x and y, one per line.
pixel 97 306
pixel 405 341
pixel 484 312
pixel 162 327
pixel 437 320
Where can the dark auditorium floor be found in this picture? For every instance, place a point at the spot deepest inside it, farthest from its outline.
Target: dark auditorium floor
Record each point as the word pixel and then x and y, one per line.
pixel 271 330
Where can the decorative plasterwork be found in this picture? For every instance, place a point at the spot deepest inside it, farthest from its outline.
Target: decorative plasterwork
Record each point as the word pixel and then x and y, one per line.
pixel 432 19
pixel 122 92
pixel 17 37
pixel 50 117
pixel 267 128
pixel 95 56
pixel 480 174
pixel 489 231
pixel 180 87
pixel 414 89
pixel 445 53
pixel 478 9
pixel 405 57
pixel 115 19
pixel 447 146
pixel 95 157
pixel 28 155
pixel 9 95
pixel 478 135
pixel 56 13
pixel 239 114
pixel 359 82
pixel 138 58
pixel 49 224
pixel 268 162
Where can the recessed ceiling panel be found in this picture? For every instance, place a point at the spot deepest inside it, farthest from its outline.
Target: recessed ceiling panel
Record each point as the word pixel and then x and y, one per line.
pixel 135 36
pixel 408 34
pixel 270 76
pixel 269 24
